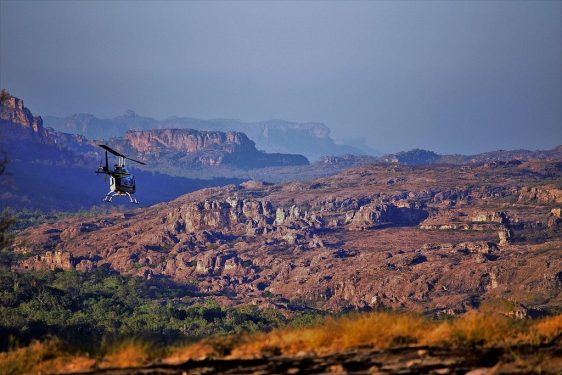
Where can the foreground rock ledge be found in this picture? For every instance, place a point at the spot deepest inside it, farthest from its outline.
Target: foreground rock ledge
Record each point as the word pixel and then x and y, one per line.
pixel 546 359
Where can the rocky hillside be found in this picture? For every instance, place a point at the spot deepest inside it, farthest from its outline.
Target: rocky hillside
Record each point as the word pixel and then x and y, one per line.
pixel 439 239
pixel 310 139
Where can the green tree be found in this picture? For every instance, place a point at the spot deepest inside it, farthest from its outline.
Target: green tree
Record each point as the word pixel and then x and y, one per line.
pixel 4 95
pixel 7 220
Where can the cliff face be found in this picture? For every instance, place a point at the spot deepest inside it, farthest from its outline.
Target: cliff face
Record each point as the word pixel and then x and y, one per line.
pixel 17 122
pixel 174 150
pixel 187 140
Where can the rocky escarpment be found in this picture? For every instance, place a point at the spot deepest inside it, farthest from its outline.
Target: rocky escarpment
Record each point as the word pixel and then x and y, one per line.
pixel 186 140
pixel 19 125
pixel 23 137
pixel 235 215
pixel 371 237
pixel 544 194
pixel 187 148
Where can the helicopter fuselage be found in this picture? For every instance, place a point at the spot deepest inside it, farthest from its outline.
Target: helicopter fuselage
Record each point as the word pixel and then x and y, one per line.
pixel 122 183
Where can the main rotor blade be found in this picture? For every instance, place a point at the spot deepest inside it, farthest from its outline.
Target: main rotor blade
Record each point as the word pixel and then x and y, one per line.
pixel 136 161
pixel 107 148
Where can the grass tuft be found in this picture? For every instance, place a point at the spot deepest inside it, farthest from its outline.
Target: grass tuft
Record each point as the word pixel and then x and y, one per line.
pixel 132 352
pixel 23 360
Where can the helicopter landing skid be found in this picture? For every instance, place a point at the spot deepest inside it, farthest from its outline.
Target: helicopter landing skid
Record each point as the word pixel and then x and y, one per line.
pixel 109 196
pixel 133 199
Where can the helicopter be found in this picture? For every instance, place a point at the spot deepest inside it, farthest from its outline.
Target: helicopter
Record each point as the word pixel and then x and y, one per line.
pixel 121 182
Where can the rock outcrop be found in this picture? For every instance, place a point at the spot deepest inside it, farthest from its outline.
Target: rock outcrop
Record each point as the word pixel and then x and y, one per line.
pixel 22 123
pixel 50 260
pixel 17 123
pixel 186 140
pixel 544 194
pixel 376 236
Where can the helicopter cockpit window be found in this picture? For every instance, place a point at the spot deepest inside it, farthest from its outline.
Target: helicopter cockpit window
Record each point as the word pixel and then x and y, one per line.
pixel 128 180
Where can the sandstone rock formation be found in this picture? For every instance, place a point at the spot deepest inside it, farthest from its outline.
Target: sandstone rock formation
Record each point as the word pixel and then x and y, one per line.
pixel 22 123
pixel 50 260
pixel 187 148
pixel 545 194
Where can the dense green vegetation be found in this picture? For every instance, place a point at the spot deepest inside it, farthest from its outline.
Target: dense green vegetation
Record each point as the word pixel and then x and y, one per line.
pixel 417 156
pixel 94 306
pixel 7 221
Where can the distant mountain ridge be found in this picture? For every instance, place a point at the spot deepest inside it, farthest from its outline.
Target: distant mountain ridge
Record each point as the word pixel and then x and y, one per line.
pixel 423 157
pixel 311 139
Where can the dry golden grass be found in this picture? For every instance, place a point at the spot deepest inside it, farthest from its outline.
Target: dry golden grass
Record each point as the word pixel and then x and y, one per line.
pixel 374 330
pixel 42 357
pixel 23 360
pixel 196 351
pixel 548 329
pixel 49 357
pixel 478 328
pixel 128 353
pixel 380 330
pixel 65 364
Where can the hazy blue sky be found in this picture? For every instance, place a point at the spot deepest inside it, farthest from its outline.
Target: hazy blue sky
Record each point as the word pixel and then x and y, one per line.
pixel 447 76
